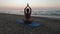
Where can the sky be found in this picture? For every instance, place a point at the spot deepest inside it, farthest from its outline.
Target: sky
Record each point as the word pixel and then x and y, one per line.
pixel 20 4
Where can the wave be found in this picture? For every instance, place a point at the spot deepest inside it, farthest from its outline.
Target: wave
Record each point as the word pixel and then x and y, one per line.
pixel 50 14
pixel 47 13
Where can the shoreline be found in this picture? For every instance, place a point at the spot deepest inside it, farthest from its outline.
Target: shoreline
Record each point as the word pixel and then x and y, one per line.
pixel 35 17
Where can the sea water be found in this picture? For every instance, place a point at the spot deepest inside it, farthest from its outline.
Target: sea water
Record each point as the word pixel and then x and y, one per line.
pixel 40 13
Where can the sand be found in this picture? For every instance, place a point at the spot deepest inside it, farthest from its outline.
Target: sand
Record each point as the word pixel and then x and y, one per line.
pixel 8 25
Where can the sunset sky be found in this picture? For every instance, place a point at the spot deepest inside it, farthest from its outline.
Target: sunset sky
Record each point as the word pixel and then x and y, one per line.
pixel 13 4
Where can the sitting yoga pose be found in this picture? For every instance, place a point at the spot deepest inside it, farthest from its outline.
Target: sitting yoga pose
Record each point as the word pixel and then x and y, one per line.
pixel 27 13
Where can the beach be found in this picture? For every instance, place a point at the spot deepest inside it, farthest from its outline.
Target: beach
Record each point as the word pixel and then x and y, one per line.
pixel 8 25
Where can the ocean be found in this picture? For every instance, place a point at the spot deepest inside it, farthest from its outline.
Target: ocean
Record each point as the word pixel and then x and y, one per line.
pixel 40 13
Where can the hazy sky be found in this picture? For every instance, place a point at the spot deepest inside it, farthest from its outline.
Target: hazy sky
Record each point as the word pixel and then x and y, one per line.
pixel 33 3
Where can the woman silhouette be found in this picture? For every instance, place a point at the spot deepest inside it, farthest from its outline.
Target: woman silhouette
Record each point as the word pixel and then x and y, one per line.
pixel 27 13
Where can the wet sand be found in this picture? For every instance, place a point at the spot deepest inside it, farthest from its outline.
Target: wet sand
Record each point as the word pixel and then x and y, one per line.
pixel 8 25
